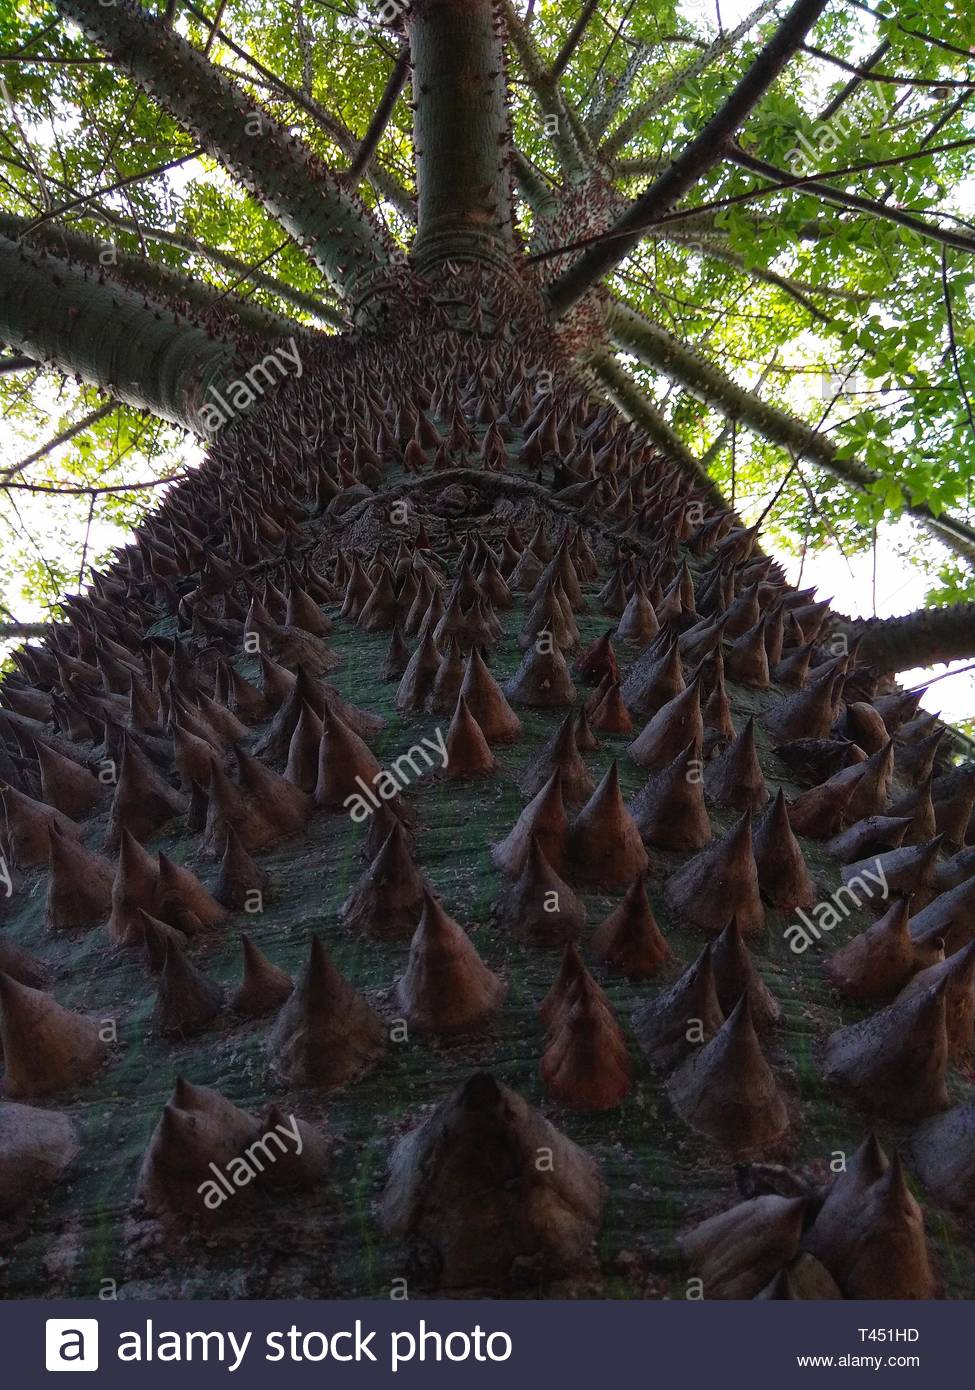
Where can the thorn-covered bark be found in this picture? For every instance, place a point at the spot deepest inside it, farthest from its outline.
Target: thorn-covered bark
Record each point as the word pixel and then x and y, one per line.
pixel 925 637
pixel 108 336
pixel 309 201
pixel 244 273
pixel 158 281
pixel 385 183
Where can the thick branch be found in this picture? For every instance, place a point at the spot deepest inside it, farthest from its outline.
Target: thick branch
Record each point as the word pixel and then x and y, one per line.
pixel 605 112
pixel 386 185
pixel 537 192
pixel 460 132
pixel 573 151
pixel 658 348
pixel 923 638
pixel 663 94
pixel 103 333
pixel 309 201
pixel 245 273
pixel 690 165
pixel 156 280
pixel 17 630
pixel 16 364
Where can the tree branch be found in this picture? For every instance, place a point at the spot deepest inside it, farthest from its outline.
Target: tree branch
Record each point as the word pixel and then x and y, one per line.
pixel 14 630
pixel 658 348
pixel 386 185
pixel 854 84
pixel 153 278
pixel 690 165
pixel 840 198
pixel 538 193
pixel 664 93
pixel 923 638
pixel 16 364
pixel 245 273
pixel 797 291
pixel 864 73
pixel 307 199
pixel 71 432
pixel 106 489
pixel 307 303
pixel 380 119
pixel 575 157
pixel 953 341
pixel 573 38
pixel 605 113
pixel 719 250
pixel 104 333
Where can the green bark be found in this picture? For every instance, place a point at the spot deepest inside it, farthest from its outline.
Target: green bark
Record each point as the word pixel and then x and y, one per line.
pixel 156 280
pixel 306 303
pixel 103 333
pixel 460 133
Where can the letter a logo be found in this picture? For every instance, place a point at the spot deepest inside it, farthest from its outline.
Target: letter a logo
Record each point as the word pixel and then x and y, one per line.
pixel 72 1344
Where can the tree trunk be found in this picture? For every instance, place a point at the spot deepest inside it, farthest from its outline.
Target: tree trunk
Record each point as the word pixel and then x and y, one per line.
pixel 443 776
pixel 362 436
pixel 460 133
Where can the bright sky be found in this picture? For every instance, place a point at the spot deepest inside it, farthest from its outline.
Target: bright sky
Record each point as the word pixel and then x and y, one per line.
pixel 900 589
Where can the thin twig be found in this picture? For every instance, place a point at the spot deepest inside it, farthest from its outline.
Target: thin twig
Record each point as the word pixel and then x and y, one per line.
pixel 78 428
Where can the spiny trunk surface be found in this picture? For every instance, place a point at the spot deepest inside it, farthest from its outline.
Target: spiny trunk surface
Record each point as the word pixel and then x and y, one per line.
pixel 453 479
